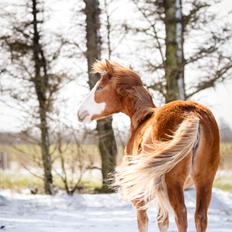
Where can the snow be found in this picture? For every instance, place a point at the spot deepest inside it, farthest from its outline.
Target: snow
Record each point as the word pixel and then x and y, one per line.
pixel 96 213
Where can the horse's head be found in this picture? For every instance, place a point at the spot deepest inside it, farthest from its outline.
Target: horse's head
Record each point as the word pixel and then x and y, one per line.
pixel 106 97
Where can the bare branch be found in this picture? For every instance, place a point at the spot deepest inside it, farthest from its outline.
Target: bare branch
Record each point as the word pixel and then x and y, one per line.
pixel 211 81
pixel 153 27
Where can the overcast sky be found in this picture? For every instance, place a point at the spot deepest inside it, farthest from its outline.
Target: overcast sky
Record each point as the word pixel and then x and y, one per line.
pixel 219 99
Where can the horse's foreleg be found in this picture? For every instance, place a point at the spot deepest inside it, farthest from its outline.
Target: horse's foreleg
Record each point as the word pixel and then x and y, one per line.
pixel 142 219
pixel 176 198
pixel 163 225
pixel 175 181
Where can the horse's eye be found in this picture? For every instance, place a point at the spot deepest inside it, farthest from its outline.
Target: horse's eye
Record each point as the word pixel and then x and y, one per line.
pixel 99 88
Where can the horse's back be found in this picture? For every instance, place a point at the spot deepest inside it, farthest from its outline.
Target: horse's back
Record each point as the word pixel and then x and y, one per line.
pixel 168 117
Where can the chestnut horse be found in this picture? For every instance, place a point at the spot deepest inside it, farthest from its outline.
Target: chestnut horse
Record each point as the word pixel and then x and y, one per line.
pixel 167 144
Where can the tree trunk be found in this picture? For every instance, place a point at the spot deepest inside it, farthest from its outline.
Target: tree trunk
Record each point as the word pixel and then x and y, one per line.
pixel 46 157
pixel 40 82
pixel 174 64
pixel 107 144
pixel 108 150
pixel 108 28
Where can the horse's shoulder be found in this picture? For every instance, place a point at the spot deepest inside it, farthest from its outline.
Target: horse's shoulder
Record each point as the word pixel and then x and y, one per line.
pixel 140 136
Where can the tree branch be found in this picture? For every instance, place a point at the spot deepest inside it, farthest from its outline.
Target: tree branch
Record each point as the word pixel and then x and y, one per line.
pixel 211 81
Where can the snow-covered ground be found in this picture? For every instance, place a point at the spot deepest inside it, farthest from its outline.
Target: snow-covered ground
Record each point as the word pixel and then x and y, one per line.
pixel 96 213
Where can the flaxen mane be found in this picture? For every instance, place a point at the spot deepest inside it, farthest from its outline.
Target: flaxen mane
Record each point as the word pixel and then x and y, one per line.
pixel 122 76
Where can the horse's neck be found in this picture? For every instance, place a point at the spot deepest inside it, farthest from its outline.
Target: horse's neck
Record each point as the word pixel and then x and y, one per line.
pixel 137 104
pixel 140 116
pixel 132 146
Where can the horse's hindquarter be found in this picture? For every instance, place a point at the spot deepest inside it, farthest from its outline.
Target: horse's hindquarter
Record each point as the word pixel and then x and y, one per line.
pixel 205 158
pixel 165 122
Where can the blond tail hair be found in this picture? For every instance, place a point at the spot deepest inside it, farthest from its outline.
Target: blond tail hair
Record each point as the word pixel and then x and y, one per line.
pixel 141 177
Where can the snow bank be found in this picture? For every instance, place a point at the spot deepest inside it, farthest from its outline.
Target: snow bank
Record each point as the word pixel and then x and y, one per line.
pixel 96 213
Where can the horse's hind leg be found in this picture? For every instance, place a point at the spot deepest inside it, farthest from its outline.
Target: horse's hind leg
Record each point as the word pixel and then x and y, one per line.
pixel 203 194
pixel 203 180
pixel 203 174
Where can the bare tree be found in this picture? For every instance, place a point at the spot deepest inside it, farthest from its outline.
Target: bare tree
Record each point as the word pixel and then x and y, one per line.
pixel 170 26
pixel 113 34
pixel 174 68
pixel 71 160
pixel 107 144
pixel 108 29
pixel 30 66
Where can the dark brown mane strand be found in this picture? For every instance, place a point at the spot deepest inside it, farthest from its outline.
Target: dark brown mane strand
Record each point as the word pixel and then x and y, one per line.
pixel 143 105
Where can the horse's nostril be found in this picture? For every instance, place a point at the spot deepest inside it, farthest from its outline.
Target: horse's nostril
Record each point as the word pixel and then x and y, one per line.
pixel 79 115
pixel 82 115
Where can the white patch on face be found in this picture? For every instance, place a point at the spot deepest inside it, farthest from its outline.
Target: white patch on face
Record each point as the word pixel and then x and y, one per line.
pixel 90 107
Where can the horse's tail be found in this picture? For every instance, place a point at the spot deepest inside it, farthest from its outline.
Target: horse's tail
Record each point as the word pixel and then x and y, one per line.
pixel 141 178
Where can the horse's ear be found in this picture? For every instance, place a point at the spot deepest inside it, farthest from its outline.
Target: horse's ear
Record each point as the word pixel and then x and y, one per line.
pixel 109 67
pixel 123 90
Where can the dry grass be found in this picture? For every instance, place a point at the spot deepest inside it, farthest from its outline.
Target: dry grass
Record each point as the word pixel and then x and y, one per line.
pixel 25 153
pixel 19 182
pixel 226 156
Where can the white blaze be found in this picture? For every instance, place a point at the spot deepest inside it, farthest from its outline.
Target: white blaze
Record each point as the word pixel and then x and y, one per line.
pixel 90 107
